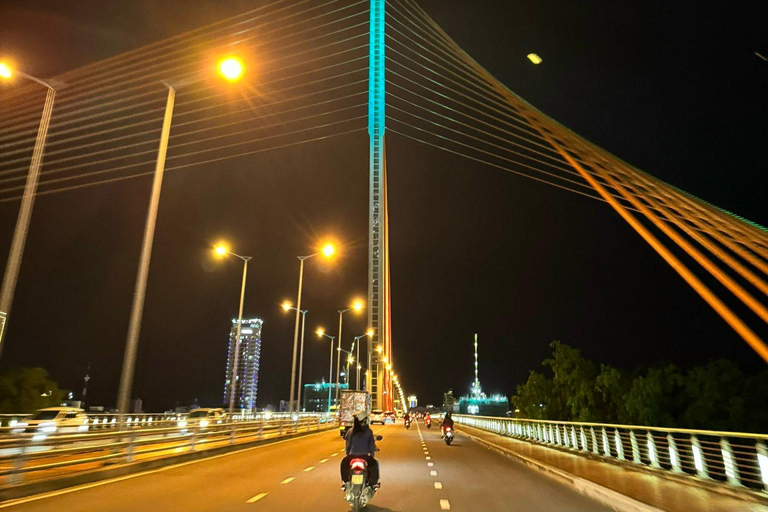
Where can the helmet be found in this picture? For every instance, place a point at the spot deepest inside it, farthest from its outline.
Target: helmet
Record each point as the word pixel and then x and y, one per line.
pixel 362 417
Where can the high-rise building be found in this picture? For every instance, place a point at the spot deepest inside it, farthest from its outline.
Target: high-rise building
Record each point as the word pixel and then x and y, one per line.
pixel 316 396
pixel 247 375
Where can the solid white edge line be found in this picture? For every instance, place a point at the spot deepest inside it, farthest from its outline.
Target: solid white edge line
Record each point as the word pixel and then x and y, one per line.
pixel 91 485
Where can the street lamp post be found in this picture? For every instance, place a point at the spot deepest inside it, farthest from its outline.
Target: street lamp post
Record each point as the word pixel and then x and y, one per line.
pixel 357 355
pixel 27 201
pixel 223 250
pixel 287 307
pixel 327 251
pixel 321 333
pixel 349 360
pixel 230 69
pixel 357 306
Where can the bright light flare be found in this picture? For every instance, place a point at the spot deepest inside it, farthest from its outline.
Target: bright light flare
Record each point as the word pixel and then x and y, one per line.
pixel 379 349
pixel 534 58
pixel 221 250
pixel 231 69
pixel 328 250
pixel 5 71
pixel 358 305
pixel 287 306
pixel 369 333
pixel 320 332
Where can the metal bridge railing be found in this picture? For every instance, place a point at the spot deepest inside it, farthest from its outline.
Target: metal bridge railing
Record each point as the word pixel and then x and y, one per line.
pixel 26 456
pixel 733 458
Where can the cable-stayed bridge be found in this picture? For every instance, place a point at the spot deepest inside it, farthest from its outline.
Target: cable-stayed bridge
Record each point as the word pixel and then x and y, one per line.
pixel 319 70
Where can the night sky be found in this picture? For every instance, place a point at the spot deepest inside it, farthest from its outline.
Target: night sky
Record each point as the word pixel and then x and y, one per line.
pixel 671 87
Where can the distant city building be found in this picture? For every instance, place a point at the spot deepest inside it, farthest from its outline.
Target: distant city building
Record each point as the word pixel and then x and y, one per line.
pixel 495 405
pixel 247 374
pixel 450 402
pixel 413 402
pixel 136 406
pixel 315 396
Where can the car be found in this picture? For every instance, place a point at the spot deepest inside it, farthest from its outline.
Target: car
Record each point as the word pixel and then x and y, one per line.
pixel 389 418
pixel 53 420
pixel 202 418
pixel 377 416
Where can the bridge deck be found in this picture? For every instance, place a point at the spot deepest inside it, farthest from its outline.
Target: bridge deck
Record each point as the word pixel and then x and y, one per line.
pixel 663 493
pixel 303 475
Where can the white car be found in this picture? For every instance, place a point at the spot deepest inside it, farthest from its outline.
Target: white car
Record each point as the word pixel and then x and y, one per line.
pixel 202 418
pixel 377 417
pixel 53 420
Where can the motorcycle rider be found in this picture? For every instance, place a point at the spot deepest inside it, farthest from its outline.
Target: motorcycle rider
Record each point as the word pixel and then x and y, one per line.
pixel 407 418
pixel 360 444
pixel 447 422
pixel 427 419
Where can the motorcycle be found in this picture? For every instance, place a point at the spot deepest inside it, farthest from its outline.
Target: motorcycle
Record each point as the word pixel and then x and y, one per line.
pixel 448 436
pixel 359 491
pixel 428 421
pixel 407 424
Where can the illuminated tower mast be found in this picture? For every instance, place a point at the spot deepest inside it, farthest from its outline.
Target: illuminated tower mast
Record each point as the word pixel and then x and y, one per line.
pixel 378 242
pixel 476 392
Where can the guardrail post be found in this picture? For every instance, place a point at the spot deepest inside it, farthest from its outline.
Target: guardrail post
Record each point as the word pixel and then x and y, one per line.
pixel 280 422
pixel 762 462
pixel 296 425
pixel 583 437
pixel 619 445
pixel 635 448
pixel 652 453
pixel 574 440
pixel 18 465
pixel 261 428
pixel 131 448
pixel 232 432
pixel 606 444
pixel 557 435
pixel 698 458
pixel 731 469
pixel 595 448
pixel 674 454
pixel 193 440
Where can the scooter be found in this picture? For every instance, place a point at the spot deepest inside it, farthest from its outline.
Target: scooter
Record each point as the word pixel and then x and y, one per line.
pixel 407 424
pixel 448 436
pixel 428 421
pixel 359 491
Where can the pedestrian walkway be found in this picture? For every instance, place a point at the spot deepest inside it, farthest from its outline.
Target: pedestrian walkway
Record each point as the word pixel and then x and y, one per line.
pixel 661 492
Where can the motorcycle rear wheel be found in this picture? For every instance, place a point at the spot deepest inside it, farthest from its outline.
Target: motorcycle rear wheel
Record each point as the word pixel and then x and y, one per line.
pixel 356 504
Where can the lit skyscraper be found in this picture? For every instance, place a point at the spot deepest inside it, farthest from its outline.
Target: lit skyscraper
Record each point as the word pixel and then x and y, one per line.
pixel 247 376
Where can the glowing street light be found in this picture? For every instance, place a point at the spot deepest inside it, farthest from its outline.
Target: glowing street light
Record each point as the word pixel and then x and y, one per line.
pixel 321 333
pixel 222 250
pixel 357 306
pixel 534 58
pixel 24 218
pixel 328 251
pixel 368 333
pixel 140 289
pixel 287 307
pixel 231 69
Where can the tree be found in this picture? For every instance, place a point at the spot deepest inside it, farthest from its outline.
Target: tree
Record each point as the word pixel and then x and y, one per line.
pixel 532 398
pixel 655 398
pixel 573 383
pixel 611 387
pixel 715 397
pixel 26 389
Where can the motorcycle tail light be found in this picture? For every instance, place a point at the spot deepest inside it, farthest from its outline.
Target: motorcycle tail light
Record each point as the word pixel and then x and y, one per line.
pixel 358 464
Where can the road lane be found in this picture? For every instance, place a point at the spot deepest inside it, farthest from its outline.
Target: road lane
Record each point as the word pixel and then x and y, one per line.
pixel 303 475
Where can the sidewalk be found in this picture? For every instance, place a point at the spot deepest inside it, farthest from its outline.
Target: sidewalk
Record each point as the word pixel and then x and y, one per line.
pixel 663 493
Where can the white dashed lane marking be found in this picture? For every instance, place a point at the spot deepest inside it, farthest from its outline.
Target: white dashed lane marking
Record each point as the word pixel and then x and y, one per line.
pixel 445 505
pixel 430 464
pixel 310 468
pixel 288 480
pixel 429 458
pixel 323 461
pixel 256 498
pixel 438 485
pixel 334 454
pixel 433 473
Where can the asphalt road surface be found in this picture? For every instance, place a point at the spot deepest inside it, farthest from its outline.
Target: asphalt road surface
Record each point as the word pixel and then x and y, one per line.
pixel 419 473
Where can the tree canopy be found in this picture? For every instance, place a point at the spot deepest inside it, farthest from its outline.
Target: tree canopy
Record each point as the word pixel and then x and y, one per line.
pixel 714 396
pixel 26 389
